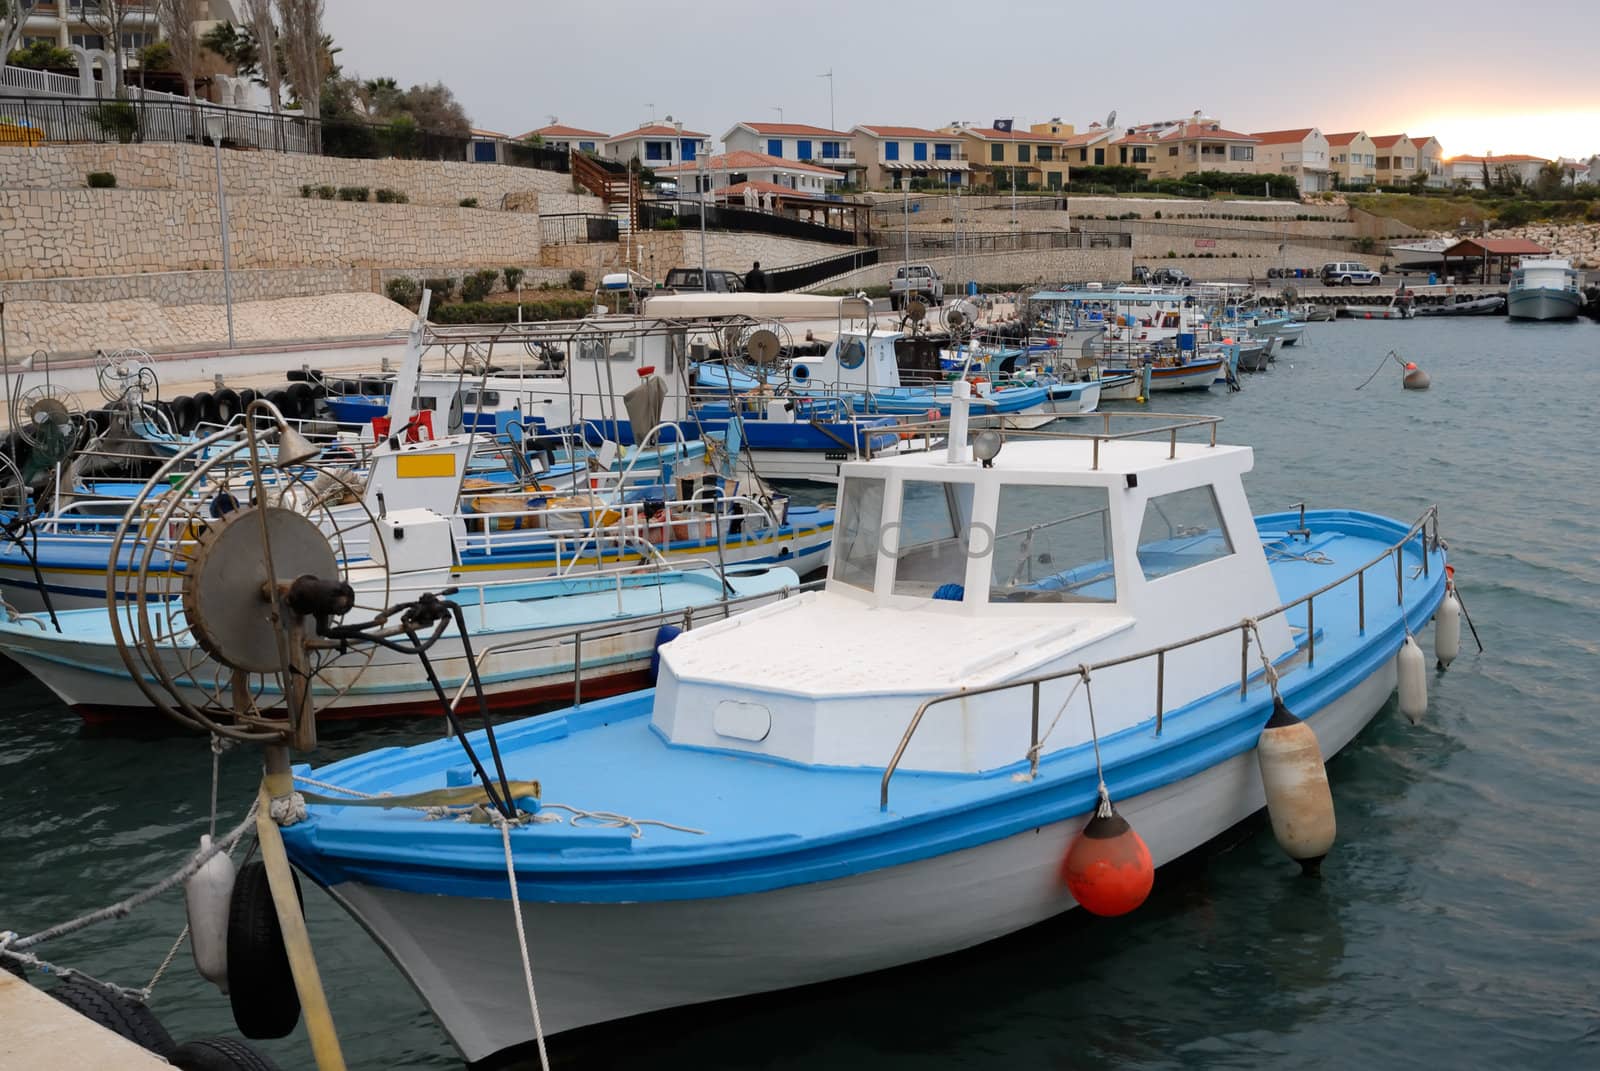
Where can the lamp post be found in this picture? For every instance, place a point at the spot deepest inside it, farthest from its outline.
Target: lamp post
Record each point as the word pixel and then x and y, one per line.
pixel 214 125
pixel 705 196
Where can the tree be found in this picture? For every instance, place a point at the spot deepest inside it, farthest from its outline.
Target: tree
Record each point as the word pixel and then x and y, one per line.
pixel 1552 177
pixel 264 34
pixel 307 58
pixel 13 15
pixel 41 56
pixel 176 23
pixel 435 109
pixel 237 48
pixel 381 97
pixel 1418 182
pixel 109 19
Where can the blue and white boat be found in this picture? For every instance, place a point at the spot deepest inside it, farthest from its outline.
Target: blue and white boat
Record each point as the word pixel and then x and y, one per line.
pixel 892 768
pixel 1544 289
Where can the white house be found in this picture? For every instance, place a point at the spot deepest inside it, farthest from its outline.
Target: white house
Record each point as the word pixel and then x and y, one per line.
pixel 1470 168
pixel 765 173
pixel 794 141
pixel 566 138
pixel 657 145
pixel 1301 154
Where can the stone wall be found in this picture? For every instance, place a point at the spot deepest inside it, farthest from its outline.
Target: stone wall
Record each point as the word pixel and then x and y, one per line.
pixel 658 252
pixel 192 287
pixel 1048 266
pixel 52 233
pixel 192 169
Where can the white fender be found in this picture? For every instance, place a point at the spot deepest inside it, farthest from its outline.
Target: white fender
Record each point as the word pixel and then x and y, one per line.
pixel 1413 670
pixel 205 897
pixel 1299 802
pixel 1447 629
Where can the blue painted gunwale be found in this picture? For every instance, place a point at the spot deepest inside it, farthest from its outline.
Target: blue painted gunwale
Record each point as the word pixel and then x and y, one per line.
pixel 773 824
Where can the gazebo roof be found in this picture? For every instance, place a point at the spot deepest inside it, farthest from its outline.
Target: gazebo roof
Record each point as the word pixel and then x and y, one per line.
pixel 1496 247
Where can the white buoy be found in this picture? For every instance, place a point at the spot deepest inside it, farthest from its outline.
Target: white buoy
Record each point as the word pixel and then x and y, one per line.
pixel 1413 681
pixel 205 897
pixel 1447 629
pixel 1299 802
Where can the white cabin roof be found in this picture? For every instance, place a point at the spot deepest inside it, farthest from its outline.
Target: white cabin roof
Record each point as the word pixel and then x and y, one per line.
pixel 763 306
pixel 1020 460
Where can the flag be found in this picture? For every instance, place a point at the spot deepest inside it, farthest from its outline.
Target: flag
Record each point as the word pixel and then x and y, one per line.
pixel 1003 125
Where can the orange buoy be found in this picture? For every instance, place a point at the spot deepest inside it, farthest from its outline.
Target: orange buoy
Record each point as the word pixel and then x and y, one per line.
pixel 1108 868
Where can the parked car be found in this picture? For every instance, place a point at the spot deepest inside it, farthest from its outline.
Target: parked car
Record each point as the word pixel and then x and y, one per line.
pixel 917 282
pixel 1145 275
pixel 687 280
pixel 1349 273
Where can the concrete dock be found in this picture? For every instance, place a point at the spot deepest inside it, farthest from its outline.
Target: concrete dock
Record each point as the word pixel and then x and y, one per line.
pixel 41 1032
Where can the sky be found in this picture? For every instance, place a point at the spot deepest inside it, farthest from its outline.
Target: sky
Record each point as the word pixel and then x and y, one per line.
pixel 1480 75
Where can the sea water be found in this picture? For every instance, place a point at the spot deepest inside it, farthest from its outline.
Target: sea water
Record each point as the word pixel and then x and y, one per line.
pixel 1455 924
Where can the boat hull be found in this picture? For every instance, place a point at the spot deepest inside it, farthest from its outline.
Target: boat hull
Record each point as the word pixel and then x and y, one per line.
pixel 594 963
pixel 1542 304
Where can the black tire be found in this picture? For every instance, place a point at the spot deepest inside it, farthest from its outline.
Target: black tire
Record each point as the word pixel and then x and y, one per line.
pixel 260 983
pixel 219 1054
pixel 11 966
pixel 206 406
pixel 296 375
pixel 228 406
pixel 185 414
pixel 100 420
pixel 304 398
pixel 165 409
pixel 123 1016
pixel 280 398
pixel 246 396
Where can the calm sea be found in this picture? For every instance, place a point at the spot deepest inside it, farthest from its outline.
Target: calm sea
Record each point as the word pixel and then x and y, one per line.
pixel 1456 922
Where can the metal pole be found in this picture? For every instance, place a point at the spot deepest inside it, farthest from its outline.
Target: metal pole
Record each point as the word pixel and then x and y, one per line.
pixel 227 261
pixel 704 192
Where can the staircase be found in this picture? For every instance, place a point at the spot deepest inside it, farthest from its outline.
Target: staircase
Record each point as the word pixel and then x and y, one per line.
pixel 614 184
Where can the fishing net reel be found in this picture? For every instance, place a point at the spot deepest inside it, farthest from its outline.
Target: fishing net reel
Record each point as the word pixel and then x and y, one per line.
pixel 124 374
pixel 227 573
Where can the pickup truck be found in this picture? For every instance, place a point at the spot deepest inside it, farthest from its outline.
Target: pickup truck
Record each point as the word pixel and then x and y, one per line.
pixel 918 281
pixel 687 281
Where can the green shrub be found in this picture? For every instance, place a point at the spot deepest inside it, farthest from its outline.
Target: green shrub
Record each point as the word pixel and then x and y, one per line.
pixel 442 288
pixel 117 119
pixel 1158 213
pixel 1172 255
pixel 102 180
pixel 670 223
pixel 500 312
pixel 390 197
pixel 468 202
pixel 353 193
pixel 326 192
pixel 476 287
pixel 404 291
pixel 513 277
pixel 306 189
pixel 577 279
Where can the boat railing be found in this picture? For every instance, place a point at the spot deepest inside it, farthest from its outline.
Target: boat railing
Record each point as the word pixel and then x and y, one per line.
pixel 1245 629
pixel 720 610
pixel 928 435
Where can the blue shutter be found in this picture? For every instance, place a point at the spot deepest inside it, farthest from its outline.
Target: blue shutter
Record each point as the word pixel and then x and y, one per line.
pixel 891 150
pixel 941 152
pixel 919 150
pixel 686 149
pixel 803 150
pixel 775 147
pixel 586 146
pixel 830 150
pixel 655 150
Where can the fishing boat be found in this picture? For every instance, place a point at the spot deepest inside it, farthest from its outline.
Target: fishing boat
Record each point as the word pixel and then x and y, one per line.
pixel 887 797
pixel 1544 288
pixel 1466 305
pixel 1398 308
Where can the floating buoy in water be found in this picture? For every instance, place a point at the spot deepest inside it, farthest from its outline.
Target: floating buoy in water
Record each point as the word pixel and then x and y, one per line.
pixel 1108 869
pixel 1299 802
pixel 1447 622
pixel 206 895
pixel 1413 681
pixel 1415 378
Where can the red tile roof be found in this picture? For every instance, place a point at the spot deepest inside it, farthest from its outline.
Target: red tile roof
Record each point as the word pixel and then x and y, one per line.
pixel 1495 247
pixel 738 188
pixel 1386 141
pixel 743 160
pixel 1346 138
pixel 1283 137
pixel 906 132
pixel 794 130
pixel 1090 136
pixel 657 130
pixel 1202 131
pixel 560 132
pixel 1415 140
pixel 1511 159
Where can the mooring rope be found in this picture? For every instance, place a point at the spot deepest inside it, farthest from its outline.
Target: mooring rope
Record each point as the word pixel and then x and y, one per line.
pixel 522 938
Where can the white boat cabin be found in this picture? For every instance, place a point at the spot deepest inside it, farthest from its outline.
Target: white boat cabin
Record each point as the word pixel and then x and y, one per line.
pixel 858 360
pixel 948 573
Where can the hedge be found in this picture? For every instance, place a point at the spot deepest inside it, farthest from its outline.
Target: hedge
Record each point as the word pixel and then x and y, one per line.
pixel 486 312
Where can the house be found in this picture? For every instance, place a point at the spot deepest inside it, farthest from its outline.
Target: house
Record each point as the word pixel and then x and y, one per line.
pixel 1430 158
pixel 1353 156
pixel 1203 145
pixel 78 24
pixel 1471 169
pixel 896 157
pixel 657 145
pixel 765 173
pixel 486 146
pixel 999 156
pixel 1091 147
pixel 832 149
pixel 1396 162
pixel 566 138
pixel 1055 127
pixel 1302 154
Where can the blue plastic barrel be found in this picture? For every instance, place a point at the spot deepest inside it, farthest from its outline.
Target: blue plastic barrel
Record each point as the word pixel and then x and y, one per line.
pixel 1186 341
pixel 1433 278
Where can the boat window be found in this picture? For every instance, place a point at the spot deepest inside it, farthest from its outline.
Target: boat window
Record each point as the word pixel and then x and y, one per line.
pixel 855 533
pixel 1053 544
pixel 1180 531
pixel 935 518
pixel 488 397
pixel 604 348
pixel 852 351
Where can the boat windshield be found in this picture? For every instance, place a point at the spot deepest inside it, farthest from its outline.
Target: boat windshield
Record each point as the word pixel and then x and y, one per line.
pixel 935 519
pixel 1053 544
pixel 1180 531
pixel 856 531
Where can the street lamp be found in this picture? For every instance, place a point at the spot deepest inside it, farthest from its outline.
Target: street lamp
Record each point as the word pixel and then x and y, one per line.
pixel 705 193
pixel 214 125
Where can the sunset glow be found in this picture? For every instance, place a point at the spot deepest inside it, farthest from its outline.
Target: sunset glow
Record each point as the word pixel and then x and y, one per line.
pixel 1547 133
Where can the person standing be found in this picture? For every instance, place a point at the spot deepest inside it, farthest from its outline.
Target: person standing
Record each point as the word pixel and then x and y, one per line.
pixel 755 280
